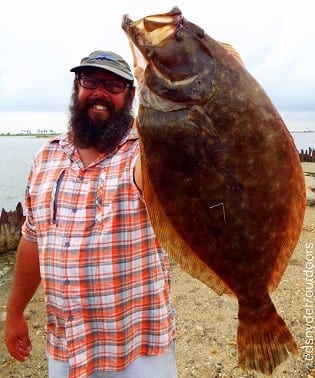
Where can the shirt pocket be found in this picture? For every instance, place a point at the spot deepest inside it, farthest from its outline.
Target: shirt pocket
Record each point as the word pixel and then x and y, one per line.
pixel 106 191
pixel 44 198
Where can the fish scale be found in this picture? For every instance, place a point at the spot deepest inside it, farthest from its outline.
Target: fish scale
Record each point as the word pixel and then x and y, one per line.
pixel 222 179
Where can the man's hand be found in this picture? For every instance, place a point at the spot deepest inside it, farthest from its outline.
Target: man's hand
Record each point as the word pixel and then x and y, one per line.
pixel 16 337
pixel 25 282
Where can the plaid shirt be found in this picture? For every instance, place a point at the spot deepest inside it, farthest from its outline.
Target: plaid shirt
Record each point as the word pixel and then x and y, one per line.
pixel 105 276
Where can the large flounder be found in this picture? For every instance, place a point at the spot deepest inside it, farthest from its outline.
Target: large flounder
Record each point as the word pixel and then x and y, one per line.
pixel 222 178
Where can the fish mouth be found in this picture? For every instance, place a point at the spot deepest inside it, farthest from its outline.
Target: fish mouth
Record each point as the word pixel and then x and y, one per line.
pixel 152 30
pixel 149 31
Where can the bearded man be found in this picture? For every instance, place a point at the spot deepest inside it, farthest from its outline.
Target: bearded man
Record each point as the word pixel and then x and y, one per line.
pixel 88 239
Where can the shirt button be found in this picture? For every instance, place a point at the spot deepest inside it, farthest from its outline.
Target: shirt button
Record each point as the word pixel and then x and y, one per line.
pixel 67 244
pixel 74 210
pixel 66 282
pixel 70 317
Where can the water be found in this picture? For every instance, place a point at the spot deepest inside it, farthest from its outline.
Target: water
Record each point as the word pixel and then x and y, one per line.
pixel 304 140
pixel 17 154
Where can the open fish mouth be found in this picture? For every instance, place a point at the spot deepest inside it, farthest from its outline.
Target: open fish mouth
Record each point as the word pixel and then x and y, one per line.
pixel 152 30
pixel 144 35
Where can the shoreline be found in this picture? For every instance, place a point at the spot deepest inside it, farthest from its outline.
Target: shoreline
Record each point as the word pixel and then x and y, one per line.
pixel 32 135
pixel 309 174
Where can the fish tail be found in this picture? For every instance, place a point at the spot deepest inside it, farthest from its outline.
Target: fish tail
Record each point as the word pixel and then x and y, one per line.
pixel 264 345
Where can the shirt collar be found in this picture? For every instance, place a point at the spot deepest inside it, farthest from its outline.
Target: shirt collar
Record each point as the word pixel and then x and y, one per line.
pixel 70 149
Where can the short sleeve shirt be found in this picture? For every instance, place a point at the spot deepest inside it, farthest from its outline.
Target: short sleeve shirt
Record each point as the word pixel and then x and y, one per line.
pixel 105 276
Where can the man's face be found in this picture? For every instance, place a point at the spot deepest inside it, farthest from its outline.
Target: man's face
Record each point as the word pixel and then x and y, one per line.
pixel 99 117
pixel 101 101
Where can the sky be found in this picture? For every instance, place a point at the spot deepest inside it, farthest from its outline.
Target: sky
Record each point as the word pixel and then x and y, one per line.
pixel 41 40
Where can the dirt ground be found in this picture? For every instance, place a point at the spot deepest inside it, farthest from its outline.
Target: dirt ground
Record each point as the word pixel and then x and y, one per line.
pixel 206 323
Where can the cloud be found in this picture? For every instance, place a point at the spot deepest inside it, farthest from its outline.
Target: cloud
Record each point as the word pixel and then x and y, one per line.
pixel 283 63
pixel 40 41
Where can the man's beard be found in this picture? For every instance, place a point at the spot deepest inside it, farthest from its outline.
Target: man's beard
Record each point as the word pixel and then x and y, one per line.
pixel 104 135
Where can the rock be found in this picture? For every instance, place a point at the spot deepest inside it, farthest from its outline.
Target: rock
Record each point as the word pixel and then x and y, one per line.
pixel 10 228
pixel 3 316
pixel 199 330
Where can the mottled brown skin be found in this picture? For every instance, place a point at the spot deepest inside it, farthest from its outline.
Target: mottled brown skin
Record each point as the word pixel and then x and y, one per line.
pixel 222 179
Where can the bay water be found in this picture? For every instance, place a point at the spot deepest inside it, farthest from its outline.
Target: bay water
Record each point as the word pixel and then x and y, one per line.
pixel 17 153
pixel 16 156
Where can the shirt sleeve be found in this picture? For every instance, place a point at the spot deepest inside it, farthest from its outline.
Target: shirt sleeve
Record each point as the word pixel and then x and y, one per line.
pixel 28 228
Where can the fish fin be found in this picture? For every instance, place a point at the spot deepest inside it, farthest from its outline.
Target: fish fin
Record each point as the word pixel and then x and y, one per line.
pixel 279 267
pixel 228 49
pixel 189 261
pixel 265 344
pixel 294 228
pixel 174 245
pixel 232 51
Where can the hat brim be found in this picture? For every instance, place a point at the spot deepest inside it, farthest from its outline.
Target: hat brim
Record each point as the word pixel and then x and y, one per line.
pixel 104 68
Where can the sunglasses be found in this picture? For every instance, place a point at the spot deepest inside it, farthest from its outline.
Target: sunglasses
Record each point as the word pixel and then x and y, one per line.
pixel 113 86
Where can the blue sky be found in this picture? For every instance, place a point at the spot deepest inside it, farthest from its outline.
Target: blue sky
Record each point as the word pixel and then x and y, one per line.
pixel 41 40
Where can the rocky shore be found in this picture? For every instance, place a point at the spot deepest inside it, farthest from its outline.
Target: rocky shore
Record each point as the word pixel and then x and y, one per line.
pixel 10 228
pixel 206 323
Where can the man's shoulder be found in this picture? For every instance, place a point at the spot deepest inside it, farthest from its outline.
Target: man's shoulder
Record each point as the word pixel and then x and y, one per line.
pixel 130 141
pixel 55 140
pixel 53 146
pixel 133 135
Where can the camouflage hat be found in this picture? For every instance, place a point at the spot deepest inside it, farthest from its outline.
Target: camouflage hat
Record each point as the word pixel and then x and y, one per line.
pixel 106 60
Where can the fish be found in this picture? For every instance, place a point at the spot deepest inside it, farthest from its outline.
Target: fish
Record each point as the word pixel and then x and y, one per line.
pixel 222 180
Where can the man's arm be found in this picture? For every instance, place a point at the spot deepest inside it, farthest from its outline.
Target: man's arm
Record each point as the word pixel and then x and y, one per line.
pixel 25 283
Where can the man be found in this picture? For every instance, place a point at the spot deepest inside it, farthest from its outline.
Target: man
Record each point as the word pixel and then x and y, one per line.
pixel 88 238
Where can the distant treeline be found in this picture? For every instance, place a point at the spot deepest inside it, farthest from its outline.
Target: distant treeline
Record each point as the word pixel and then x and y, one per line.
pixel 38 133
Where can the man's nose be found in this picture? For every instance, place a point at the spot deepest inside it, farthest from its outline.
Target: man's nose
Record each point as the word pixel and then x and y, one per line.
pixel 101 88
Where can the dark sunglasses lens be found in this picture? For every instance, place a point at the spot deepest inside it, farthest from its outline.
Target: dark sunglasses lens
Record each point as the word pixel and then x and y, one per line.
pixel 89 82
pixel 114 86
